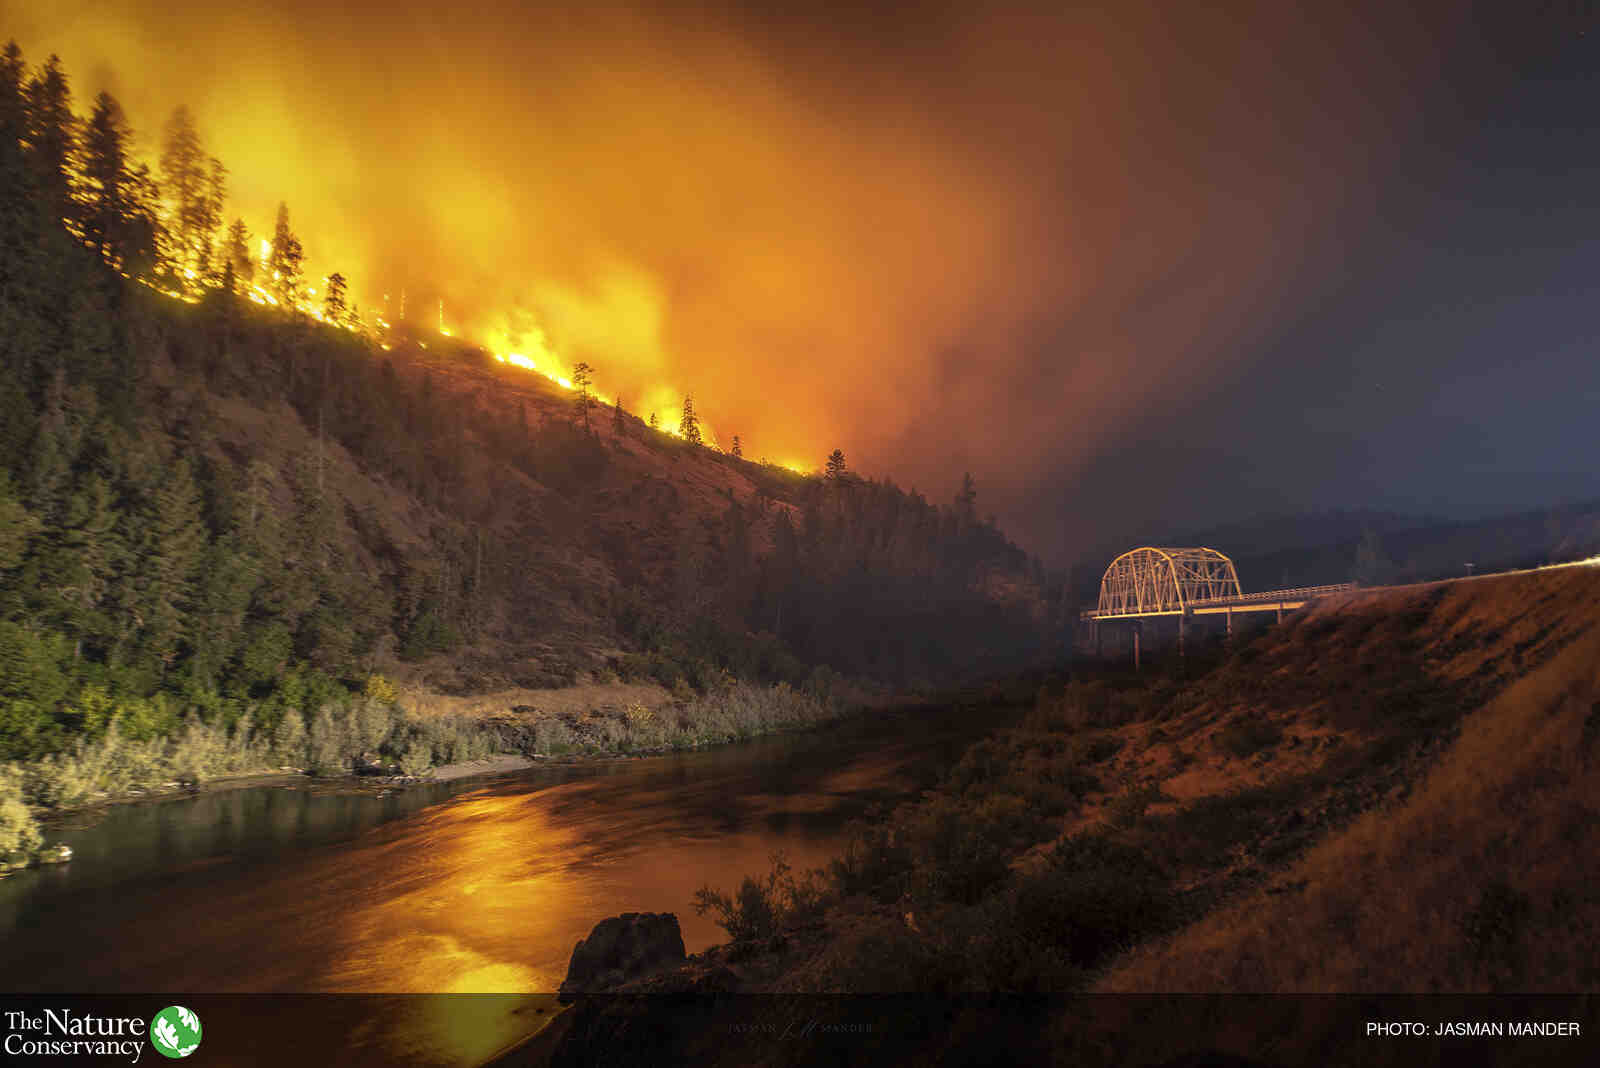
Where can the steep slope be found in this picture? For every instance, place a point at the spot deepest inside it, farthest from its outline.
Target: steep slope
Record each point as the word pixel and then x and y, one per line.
pixel 221 508
pixel 1481 876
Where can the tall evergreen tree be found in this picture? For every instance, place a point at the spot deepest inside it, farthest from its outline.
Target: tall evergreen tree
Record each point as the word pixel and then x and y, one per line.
pixel 835 468
pixel 186 182
pixel 334 307
pixel 17 526
pixel 967 501
pixel 738 447
pixel 51 135
pixel 583 400
pixel 688 425
pixel 80 566
pixel 284 265
pixel 27 334
pixel 103 193
pixel 170 559
pixel 236 251
pixel 210 266
pixel 144 238
pixel 13 78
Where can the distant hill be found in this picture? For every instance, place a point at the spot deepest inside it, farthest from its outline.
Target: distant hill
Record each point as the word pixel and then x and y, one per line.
pixel 1318 548
pixel 1311 530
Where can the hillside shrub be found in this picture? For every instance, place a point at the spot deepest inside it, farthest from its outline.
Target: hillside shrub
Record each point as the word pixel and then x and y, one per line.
pixel 328 746
pixel 876 861
pixel 1494 927
pixel 18 829
pixel 1246 737
pixel 1096 897
pixel 760 909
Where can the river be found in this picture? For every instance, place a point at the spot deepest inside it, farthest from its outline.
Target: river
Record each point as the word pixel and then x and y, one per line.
pixel 461 887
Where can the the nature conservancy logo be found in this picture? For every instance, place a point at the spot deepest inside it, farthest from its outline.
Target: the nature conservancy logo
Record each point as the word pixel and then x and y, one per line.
pixel 174 1032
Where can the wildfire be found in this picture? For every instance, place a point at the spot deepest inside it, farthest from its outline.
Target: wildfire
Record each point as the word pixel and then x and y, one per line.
pixel 528 350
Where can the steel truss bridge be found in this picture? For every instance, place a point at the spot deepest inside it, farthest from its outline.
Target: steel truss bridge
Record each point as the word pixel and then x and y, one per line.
pixel 1151 583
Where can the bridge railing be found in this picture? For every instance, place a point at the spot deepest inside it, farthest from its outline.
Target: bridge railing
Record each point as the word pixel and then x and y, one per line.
pixel 1296 594
pixel 1299 593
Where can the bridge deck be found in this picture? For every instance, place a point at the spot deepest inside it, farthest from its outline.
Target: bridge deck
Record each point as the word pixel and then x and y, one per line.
pixel 1266 601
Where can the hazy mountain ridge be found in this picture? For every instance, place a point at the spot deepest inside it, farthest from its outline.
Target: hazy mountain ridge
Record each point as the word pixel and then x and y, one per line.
pixel 1318 548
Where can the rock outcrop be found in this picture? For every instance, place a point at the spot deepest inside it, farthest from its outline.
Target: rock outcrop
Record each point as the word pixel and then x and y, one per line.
pixel 621 949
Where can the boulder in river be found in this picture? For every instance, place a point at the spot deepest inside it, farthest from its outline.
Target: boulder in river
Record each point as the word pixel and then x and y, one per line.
pixel 623 948
pixel 59 853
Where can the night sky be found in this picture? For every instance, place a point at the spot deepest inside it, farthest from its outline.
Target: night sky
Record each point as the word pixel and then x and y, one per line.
pixel 1138 270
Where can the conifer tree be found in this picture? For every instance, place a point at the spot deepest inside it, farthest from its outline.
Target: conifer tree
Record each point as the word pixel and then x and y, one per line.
pixel 284 263
pixel 835 468
pixel 688 425
pixel 210 223
pixel 103 194
pixel 51 134
pixel 655 421
pixel 967 501
pixel 334 308
pixel 80 565
pixel 185 180
pixel 582 379
pixel 738 447
pixel 13 77
pixel 236 252
pixel 171 558
pixel 618 426
pixel 17 526
pixel 144 238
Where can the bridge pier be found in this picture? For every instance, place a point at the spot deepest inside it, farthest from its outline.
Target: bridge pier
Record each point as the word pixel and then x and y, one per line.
pixel 1230 621
pixel 1137 627
pixel 1183 630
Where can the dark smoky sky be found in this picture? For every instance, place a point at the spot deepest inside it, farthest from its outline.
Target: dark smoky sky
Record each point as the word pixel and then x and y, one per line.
pixel 1137 268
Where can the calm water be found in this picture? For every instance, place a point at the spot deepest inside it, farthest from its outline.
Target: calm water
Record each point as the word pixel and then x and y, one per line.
pixel 461 887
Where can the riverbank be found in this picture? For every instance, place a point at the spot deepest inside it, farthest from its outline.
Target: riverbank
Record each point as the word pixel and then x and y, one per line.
pixel 376 745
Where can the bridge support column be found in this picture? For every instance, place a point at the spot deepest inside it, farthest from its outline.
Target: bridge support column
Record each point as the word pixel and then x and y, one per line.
pixel 1230 621
pixel 1183 631
pixel 1094 636
pixel 1137 627
pixel 1280 611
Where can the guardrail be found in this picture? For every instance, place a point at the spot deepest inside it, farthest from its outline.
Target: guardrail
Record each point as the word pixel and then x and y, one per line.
pixel 1298 594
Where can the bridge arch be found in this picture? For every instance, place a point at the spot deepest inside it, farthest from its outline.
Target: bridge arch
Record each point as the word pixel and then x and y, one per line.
pixel 1150 579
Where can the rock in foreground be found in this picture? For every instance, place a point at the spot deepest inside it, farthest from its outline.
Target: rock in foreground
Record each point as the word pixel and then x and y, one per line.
pixel 623 948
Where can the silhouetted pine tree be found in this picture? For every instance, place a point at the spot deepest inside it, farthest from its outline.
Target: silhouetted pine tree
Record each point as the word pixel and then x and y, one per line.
pixel 583 400
pixel 103 193
pixel 284 263
pixel 334 306
pixel 51 135
pixel 236 253
pixel 688 425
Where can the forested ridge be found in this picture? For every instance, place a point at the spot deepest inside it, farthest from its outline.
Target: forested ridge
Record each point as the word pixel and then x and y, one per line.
pixel 214 503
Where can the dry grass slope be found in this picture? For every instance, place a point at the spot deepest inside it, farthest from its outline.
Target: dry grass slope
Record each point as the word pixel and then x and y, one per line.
pixel 1488 877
